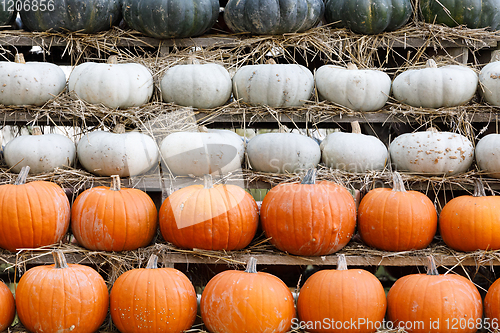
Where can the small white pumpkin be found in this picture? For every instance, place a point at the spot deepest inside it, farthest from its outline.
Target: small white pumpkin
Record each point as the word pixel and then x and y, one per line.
pixel 123 154
pixel 202 86
pixel 489 77
pixel 432 152
pixel 359 90
pixel 42 153
pixel 205 152
pixel 113 85
pixel 29 83
pixel 488 154
pixel 354 152
pixel 283 152
pixel 434 87
pixel 275 85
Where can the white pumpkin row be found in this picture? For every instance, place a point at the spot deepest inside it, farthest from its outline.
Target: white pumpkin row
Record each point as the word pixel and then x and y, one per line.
pixel 221 151
pixel 207 86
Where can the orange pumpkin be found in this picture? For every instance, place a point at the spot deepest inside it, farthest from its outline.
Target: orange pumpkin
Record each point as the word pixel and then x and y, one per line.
pixel 433 303
pixel 32 215
pixel 7 307
pixel 492 307
pixel 396 220
pixel 221 217
pixel 308 219
pixel 62 298
pixel 153 300
pixel 250 301
pixel 469 223
pixel 113 218
pixel 342 300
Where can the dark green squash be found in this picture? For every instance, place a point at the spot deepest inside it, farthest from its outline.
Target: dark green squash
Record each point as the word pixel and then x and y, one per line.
pixel 171 18
pixel 7 14
pixel 88 16
pixel 471 13
pixel 368 17
pixel 273 17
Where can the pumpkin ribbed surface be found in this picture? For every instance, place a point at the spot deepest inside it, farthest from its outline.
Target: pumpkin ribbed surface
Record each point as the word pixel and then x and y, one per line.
pixel 153 300
pixel 7 307
pixel 109 220
pixel 307 219
pixel 224 217
pixel 72 298
pixel 32 215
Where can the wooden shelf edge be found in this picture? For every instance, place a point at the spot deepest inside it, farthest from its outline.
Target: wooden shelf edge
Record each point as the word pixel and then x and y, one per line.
pixel 37 258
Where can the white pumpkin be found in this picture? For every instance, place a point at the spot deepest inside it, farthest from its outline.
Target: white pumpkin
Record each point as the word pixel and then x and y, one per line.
pixel 275 85
pixel 434 87
pixel 432 152
pixel 283 152
pixel 488 154
pixel 42 153
pixel 359 90
pixel 31 83
pixel 489 77
pixel 353 152
pixel 123 154
pixel 111 84
pixel 202 86
pixel 201 153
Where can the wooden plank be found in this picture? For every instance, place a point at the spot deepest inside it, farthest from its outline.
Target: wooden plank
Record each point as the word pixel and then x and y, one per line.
pixel 263 259
pixel 216 41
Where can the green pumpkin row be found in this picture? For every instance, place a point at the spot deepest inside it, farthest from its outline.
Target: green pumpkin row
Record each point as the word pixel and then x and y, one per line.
pixel 208 86
pixel 188 18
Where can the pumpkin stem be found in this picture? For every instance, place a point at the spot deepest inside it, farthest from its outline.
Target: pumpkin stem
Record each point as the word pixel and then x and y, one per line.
pixel 208 182
pixel 59 259
pixel 356 129
pixel 310 177
pixel 431 64
pixel 397 183
pixel 36 131
pixel 341 263
pixel 21 178
pixel 112 60
pixel 251 265
pixel 19 58
pixel 351 66
pixel 119 129
pixel 202 129
pixel 431 267
pixel 432 129
pixel 479 188
pixel 270 61
pixel 152 262
pixel 192 60
pixel 115 183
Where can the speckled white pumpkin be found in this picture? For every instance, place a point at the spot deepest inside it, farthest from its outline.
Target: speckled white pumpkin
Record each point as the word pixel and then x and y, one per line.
pixel 283 152
pixel 353 152
pixel 202 86
pixel 356 89
pixel 122 154
pixel 275 85
pixel 42 153
pixel 434 87
pixel 201 153
pixel 111 84
pixel 432 152
pixel 488 154
pixel 31 83
pixel 489 77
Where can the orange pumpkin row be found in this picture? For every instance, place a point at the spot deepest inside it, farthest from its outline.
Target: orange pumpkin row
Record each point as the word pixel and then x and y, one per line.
pixel 74 298
pixel 307 218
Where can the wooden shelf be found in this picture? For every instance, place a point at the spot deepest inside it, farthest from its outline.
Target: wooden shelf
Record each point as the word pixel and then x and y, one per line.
pixel 174 257
pixel 21 38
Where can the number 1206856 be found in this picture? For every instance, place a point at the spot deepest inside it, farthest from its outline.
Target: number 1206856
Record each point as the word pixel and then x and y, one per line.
pixel 27 5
